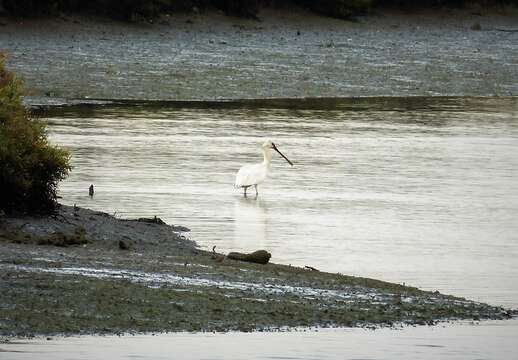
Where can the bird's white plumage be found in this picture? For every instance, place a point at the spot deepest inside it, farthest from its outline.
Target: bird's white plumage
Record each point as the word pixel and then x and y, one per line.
pixel 253 175
pixel 250 175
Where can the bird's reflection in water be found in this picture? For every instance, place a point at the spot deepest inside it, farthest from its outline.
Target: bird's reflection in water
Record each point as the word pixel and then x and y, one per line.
pixel 250 223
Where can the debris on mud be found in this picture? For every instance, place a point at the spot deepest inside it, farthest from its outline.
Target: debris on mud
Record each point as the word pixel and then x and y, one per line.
pixel 166 284
pixel 258 257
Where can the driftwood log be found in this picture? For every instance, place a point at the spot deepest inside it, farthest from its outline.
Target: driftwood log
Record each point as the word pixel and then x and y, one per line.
pixel 153 220
pixel 311 268
pixel 259 256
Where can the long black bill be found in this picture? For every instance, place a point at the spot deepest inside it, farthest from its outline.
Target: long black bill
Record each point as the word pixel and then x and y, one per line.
pixel 281 154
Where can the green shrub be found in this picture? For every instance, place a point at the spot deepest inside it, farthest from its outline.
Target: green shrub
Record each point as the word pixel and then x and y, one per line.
pixel 30 168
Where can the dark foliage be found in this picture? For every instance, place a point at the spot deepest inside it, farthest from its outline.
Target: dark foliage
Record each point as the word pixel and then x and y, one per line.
pixel 338 8
pixel 133 9
pixel 30 168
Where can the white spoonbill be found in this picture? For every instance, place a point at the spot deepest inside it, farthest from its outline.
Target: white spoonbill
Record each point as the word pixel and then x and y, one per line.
pixel 253 175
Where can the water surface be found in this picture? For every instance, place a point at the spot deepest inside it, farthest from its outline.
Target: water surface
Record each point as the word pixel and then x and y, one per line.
pixel 493 340
pixel 420 191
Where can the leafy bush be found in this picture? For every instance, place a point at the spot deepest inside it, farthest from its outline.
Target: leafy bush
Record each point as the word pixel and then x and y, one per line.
pixel 30 168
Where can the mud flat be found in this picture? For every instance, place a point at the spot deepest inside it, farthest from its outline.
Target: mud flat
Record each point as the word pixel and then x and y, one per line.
pixel 287 54
pixel 160 281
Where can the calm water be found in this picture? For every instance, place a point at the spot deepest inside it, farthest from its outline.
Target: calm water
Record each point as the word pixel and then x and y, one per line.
pixel 491 341
pixel 420 191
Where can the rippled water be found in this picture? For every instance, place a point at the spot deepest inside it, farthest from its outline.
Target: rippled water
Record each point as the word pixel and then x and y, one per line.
pixel 418 190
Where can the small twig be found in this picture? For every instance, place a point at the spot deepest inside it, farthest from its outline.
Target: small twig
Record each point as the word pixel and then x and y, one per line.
pixel 216 256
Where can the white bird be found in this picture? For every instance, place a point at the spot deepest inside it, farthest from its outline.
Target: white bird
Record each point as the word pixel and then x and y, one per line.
pixel 253 175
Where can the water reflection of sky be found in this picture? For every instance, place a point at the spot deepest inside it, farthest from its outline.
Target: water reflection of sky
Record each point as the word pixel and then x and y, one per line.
pixel 417 190
pixel 493 340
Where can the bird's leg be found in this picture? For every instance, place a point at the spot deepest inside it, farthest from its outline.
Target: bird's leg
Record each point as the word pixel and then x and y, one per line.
pixel 245 187
pixel 256 193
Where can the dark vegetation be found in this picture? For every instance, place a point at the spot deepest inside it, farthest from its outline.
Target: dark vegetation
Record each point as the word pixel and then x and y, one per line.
pixel 147 9
pixel 30 168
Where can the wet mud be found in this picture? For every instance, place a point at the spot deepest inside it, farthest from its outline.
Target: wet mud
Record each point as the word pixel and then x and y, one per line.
pixel 284 55
pixel 165 283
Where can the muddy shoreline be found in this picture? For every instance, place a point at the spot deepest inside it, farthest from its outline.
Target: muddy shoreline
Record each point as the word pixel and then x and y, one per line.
pixel 293 54
pixel 164 283
pixel 69 274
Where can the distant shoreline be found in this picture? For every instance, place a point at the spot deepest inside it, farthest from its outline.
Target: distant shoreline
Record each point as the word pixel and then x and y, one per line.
pixel 49 107
pixel 213 57
pixel 151 10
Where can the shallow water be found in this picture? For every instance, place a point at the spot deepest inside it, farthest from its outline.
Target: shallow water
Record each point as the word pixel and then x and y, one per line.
pixel 494 340
pixel 420 191
pixel 416 190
